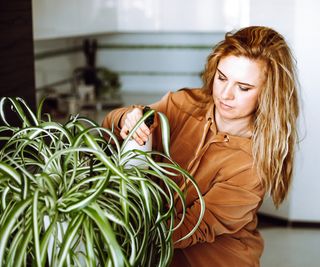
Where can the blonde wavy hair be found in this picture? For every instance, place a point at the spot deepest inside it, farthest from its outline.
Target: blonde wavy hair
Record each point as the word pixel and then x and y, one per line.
pixel 275 130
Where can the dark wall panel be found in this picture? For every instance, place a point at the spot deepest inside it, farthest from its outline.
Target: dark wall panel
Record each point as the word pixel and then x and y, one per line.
pixel 16 50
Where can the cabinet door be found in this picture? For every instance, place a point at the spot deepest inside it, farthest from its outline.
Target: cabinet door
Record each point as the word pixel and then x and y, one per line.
pixel 182 15
pixel 60 18
pixel 97 16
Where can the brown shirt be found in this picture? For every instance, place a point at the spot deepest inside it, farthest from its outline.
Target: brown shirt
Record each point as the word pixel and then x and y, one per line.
pixel 222 166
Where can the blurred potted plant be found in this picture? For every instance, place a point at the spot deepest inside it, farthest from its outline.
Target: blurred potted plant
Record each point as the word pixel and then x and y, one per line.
pixel 109 85
pixel 68 198
pixel 104 82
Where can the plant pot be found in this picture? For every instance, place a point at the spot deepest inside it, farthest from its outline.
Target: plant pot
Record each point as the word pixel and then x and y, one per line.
pixel 57 238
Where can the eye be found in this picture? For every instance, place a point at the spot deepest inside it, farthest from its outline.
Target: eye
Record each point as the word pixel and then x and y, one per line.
pixel 245 89
pixel 221 78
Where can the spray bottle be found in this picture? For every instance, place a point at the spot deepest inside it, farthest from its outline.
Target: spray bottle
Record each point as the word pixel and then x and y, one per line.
pixel 147 146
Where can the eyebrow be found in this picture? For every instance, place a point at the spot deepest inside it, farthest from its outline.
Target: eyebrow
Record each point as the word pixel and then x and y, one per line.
pixel 247 84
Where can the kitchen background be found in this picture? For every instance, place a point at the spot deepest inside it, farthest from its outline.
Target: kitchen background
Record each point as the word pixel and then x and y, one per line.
pixel 154 46
pixel 142 41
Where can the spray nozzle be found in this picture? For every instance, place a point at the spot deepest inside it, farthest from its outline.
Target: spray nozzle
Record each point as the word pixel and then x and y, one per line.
pixel 148 121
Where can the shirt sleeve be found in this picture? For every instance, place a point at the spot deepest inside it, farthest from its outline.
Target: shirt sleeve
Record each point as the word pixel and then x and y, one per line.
pixel 112 120
pixel 229 208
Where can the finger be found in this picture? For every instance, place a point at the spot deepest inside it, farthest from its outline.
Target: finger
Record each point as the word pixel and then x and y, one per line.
pixel 138 139
pixel 124 132
pixel 144 128
pixel 130 122
pixel 142 135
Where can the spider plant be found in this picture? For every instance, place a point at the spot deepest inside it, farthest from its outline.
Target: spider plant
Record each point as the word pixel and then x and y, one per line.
pixel 69 198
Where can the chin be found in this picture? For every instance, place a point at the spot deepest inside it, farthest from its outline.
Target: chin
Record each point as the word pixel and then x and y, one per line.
pixel 226 114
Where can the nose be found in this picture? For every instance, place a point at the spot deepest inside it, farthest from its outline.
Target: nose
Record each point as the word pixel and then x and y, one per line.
pixel 227 92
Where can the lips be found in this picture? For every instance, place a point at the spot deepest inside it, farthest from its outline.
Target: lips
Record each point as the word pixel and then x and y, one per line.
pixel 225 106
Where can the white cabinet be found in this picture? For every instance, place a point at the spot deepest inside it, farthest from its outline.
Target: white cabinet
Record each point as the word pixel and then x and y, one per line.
pixel 69 18
pixel 61 18
pixel 182 15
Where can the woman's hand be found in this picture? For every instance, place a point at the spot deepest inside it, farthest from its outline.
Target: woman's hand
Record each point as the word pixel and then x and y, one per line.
pixel 129 121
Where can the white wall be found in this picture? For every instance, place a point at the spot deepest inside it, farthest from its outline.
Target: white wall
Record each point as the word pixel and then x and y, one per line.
pixel 55 68
pixel 299 22
pixel 306 187
pixel 279 15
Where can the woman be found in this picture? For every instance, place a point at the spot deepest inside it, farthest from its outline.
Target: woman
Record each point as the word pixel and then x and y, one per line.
pixel 236 136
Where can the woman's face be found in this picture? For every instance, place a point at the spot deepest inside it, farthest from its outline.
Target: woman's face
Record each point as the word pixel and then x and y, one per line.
pixel 236 87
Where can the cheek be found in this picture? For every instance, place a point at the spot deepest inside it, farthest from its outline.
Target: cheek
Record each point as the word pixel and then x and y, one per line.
pixel 251 102
pixel 255 100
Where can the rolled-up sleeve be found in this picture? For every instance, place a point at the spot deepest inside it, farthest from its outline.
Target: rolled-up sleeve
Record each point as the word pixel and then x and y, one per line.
pixel 113 118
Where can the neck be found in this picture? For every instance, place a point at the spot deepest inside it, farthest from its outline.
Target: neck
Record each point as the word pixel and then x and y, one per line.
pixel 238 127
